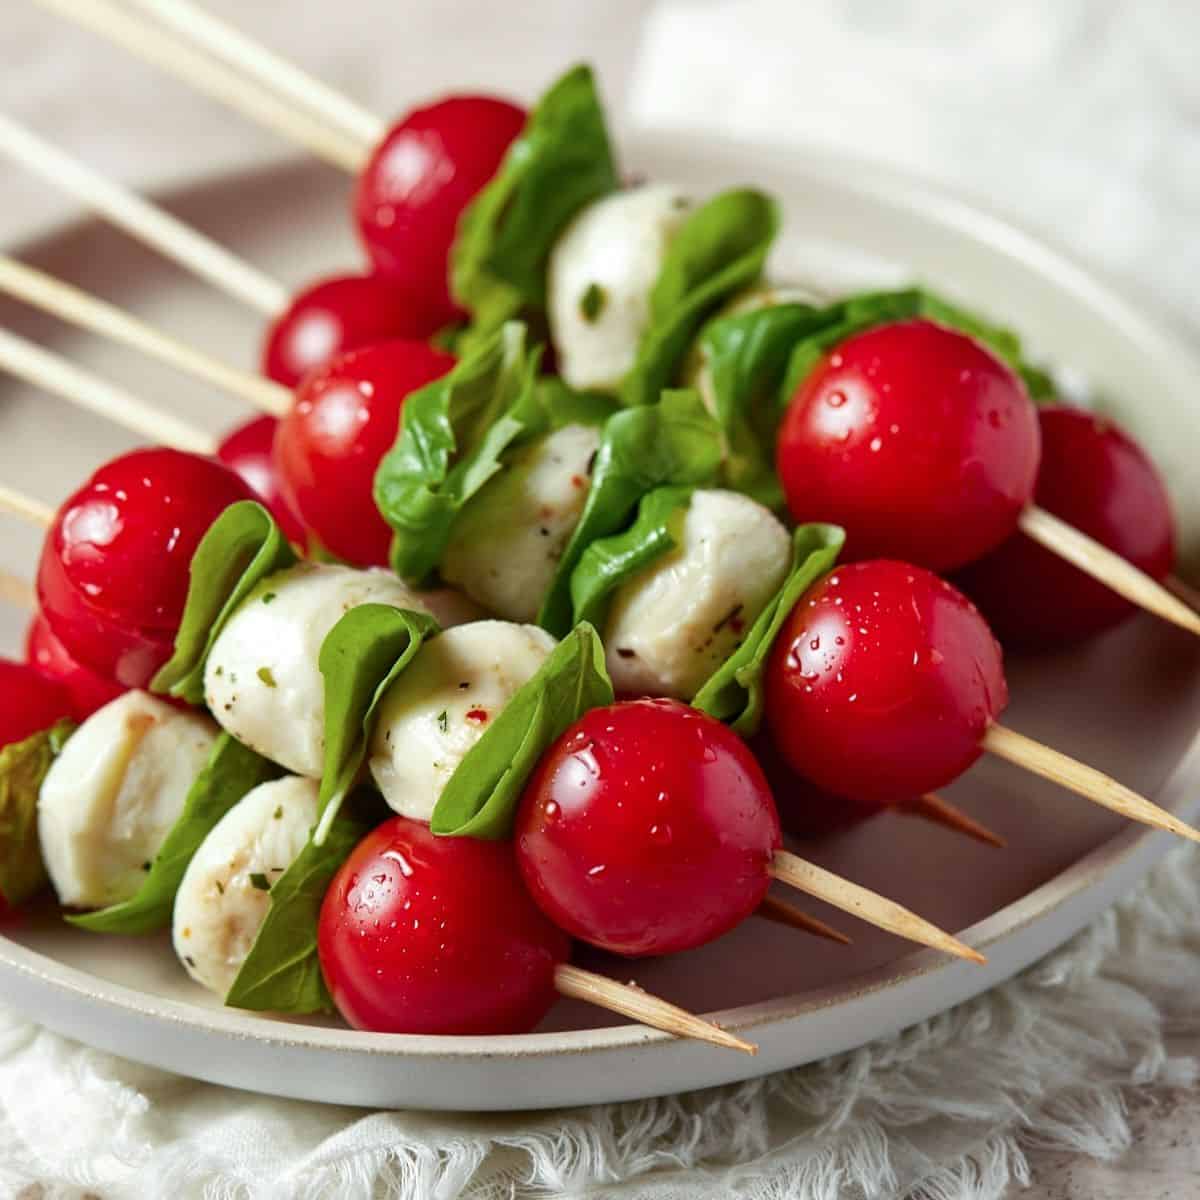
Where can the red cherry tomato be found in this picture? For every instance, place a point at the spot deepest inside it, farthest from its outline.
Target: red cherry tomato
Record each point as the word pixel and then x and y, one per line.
pixel 423 174
pixel 917 440
pixel 882 683
pixel 345 419
pixel 29 701
pixel 344 313
pixel 1096 478
pixel 248 450
pixel 421 934
pixel 647 828
pixel 87 690
pixel 113 576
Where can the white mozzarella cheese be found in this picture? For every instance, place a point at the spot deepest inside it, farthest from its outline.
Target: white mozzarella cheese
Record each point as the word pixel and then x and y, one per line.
pixel 674 623
pixel 110 799
pixel 261 680
pixel 442 704
pixel 507 542
pixel 223 899
pixel 600 276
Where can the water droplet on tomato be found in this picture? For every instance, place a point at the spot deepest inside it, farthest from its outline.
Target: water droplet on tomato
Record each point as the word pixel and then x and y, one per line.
pixel 835 399
pixel 661 834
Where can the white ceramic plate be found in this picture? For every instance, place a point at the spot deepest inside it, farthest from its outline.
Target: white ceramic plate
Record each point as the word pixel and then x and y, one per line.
pixel 1128 703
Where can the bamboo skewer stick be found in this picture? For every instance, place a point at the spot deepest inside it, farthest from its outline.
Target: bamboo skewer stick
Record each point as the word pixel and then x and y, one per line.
pixel 213 78
pixel 25 507
pixel 144 221
pixel 1182 590
pixel 55 374
pixel 79 308
pixel 631 1001
pixel 869 906
pixel 1110 569
pixel 1080 778
pixel 267 69
pixel 782 913
pixel 940 811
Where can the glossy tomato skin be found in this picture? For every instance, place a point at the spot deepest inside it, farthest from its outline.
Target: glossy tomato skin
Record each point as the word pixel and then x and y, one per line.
pixel 882 683
pixel 113 576
pixel 917 440
pixel 344 312
pixel 345 419
pixel 88 691
pixel 1096 478
pixel 248 449
pixel 421 934
pixel 29 701
pixel 647 828
pixel 419 180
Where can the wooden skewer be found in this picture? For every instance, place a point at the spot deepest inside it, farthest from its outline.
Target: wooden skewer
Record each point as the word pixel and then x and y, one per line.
pixel 26 507
pixel 631 1001
pixel 70 304
pixel 213 78
pixel 1182 590
pixel 16 591
pixel 55 374
pixel 869 906
pixel 940 811
pixel 1080 778
pixel 1110 569
pixel 145 221
pixel 782 913
pixel 267 69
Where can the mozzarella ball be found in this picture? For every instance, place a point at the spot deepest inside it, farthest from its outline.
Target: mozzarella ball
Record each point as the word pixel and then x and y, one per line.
pixel 442 704
pixel 506 544
pixel 223 899
pixel 261 680
pixel 114 793
pixel 678 620
pixel 600 276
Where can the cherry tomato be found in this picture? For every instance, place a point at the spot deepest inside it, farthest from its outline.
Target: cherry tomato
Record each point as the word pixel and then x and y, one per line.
pixel 882 682
pixel 917 440
pixel 421 934
pixel 343 313
pixel 345 419
pixel 29 701
pixel 1096 478
pixel 420 178
pixel 88 691
pixel 647 828
pixel 248 451
pixel 113 576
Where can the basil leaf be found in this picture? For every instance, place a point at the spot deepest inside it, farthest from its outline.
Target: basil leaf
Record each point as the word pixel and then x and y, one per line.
pixel 609 562
pixel 718 250
pixel 734 692
pixel 282 972
pixel 452 434
pixel 361 657
pixel 558 164
pixel 481 798
pixel 232 770
pixel 23 766
pixel 675 442
pixel 242 547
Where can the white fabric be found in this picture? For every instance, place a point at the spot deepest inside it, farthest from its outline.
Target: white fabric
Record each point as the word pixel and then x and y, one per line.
pixel 951 1105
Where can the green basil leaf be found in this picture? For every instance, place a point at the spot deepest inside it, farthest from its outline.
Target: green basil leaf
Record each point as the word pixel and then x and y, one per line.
pixel 558 164
pixel 23 766
pixel 563 405
pixel 282 972
pixel 719 249
pixel 480 800
pixel 609 562
pixel 734 692
pixel 242 547
pixel 361 657
pixel 675 442
pixel 452 434
pixel 232 770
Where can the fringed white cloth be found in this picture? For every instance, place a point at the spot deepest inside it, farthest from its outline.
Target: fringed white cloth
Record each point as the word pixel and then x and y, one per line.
pixel 949 1107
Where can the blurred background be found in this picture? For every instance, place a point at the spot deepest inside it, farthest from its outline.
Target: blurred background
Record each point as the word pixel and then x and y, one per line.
pixel 1082 117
